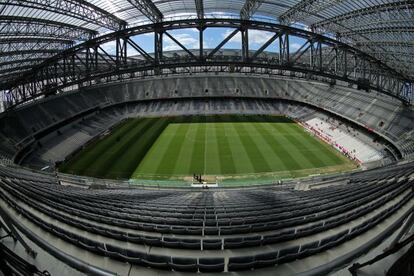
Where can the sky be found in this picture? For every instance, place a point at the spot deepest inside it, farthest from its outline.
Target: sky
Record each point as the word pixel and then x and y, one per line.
pixel 212 37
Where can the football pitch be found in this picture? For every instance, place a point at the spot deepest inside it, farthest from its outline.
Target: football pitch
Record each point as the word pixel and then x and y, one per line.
pixel 222 145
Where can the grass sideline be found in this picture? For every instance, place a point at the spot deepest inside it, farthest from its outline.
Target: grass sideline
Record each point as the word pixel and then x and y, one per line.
pixel 231 147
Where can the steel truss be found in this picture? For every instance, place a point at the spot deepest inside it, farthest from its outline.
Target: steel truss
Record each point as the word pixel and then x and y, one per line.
pixel 21 45
pixel 147 8
pixel 379 15
pixel 249 8
pixel 305 8
pixel 29 57
pixel 79 9
pixel 319 57
pixel 28 27
pixel 199 8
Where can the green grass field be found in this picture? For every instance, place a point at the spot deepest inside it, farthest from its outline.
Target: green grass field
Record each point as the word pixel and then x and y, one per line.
pixel 226 146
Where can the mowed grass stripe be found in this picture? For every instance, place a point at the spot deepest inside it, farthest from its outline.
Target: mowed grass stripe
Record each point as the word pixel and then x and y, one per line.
pixel 149 163
pixel 227 165
pixel 177 136
pixel 300 140
pixel 272 135
pixel 213 163
pixel 267 147
pixel 242 163
pixel 197 158
pixel 293 158
pixel 81 161
pixel 135 151
pixel 102 165
pixel 253 150
pixel 183 159
pixel 324 151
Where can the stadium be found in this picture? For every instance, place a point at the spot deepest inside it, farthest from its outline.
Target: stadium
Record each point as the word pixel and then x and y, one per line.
pixel 240 137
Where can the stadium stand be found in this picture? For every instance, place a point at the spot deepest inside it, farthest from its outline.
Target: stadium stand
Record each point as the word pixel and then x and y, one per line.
pixel 70 128
pixel 278 224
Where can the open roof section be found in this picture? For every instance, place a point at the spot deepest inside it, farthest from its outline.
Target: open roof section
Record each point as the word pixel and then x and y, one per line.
pixel 365 24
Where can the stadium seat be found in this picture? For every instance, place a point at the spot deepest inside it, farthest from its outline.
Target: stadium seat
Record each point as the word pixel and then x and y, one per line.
pixel 208 265
pixel 159 262
pixel 212 244
pixel 151 241
pixel 266 259
pixel 308 249
pixel 241 263
pixel 184 264
pixel 190 244
pixel 134 257
pixel 288 254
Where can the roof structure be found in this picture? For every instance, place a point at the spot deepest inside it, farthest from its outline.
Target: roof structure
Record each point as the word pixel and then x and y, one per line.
pixel 34 30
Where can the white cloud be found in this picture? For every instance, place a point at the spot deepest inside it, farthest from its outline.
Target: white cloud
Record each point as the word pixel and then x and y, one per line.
pixel 295 46
pixel 185 39
pixel 132 52
pixel 109 47
pixel 236 38
pixel 259 37
pixel 256 37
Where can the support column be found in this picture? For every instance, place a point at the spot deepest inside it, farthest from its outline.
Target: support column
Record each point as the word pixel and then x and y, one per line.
pixel 245 44
pixel 157 50
pixel 201 29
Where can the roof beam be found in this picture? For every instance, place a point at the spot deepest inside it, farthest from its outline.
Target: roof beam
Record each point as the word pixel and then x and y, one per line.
pixel 376 30
pixel 11 63
pixel 28 52
pixel 148 8
pixel 383 43
pixel 7 77
pixel 353 18
pixel 79 9
pixel 33 40
pixel 16 68
pixel 305 8
pixel 249 8
pixel 397 54
pixel 25 26
pixel 200 8
pixel 8 60
pixel 36 45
